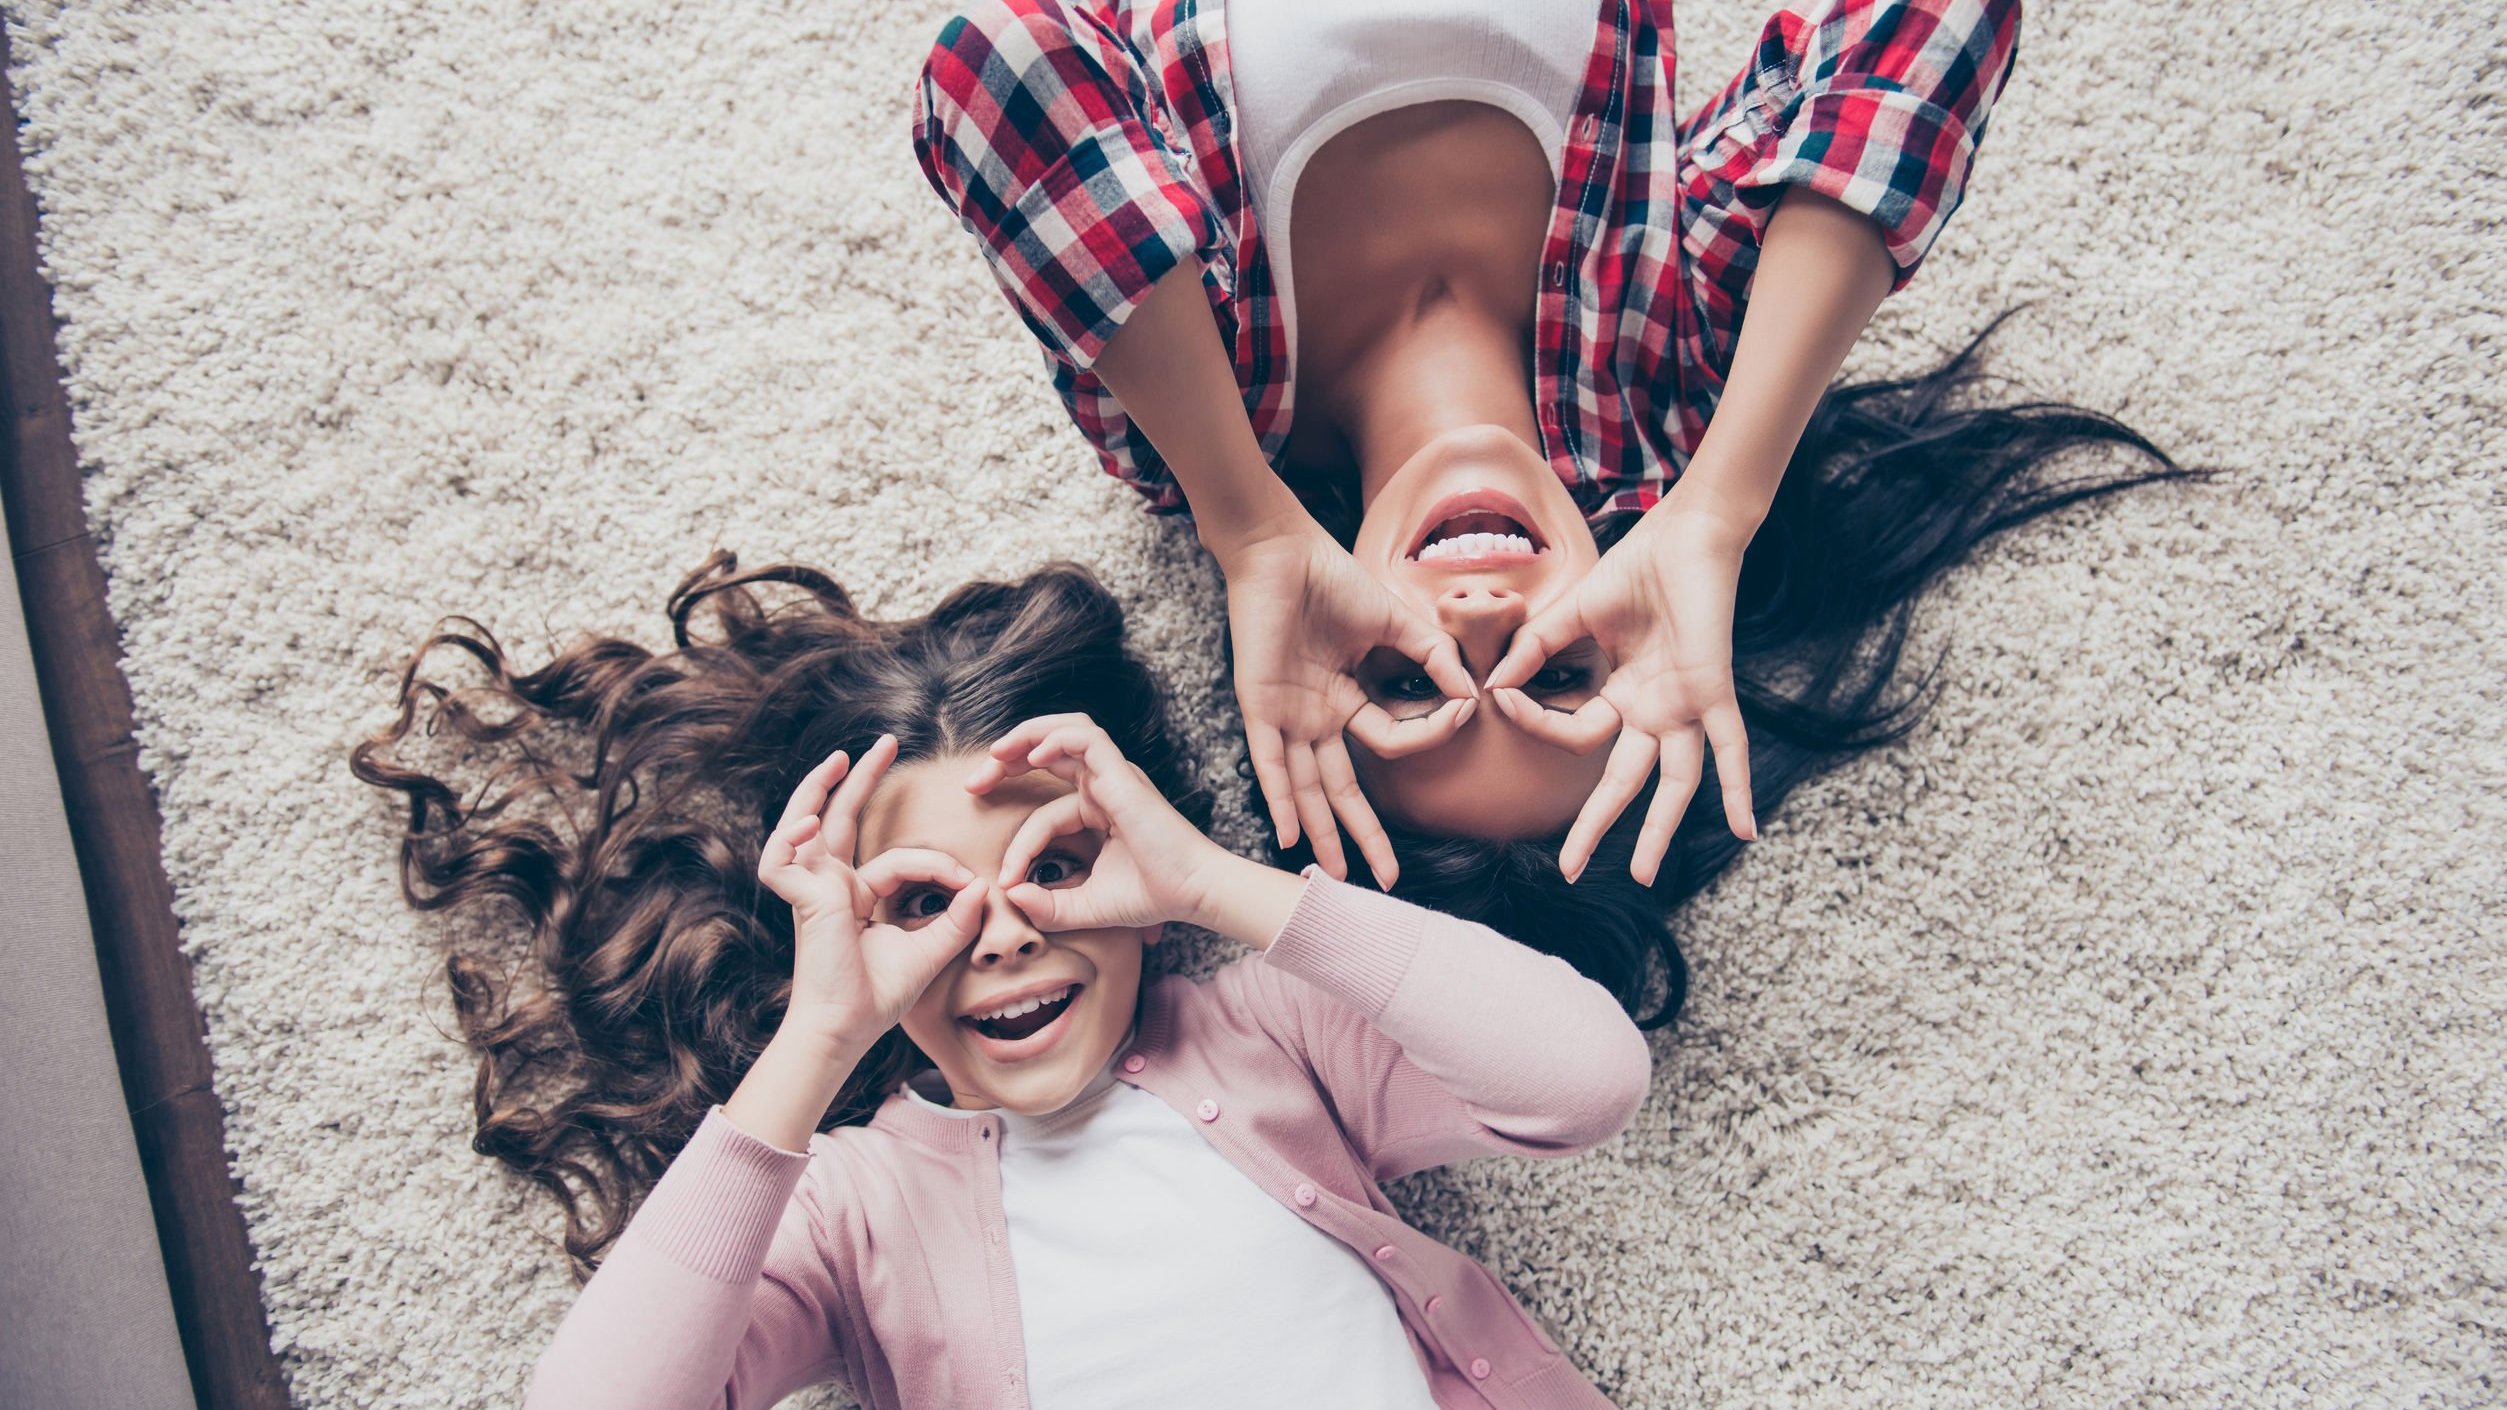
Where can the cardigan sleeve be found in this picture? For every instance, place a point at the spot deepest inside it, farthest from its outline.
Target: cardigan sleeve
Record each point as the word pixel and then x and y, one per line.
pixel 715 1295
pixel 1438 1039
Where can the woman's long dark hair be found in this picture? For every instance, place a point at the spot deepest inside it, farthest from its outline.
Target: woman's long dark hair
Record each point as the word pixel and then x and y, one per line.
pixel 642 967
pixel 1894 482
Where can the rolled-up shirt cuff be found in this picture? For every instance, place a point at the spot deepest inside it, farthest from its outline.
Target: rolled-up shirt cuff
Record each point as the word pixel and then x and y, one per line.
pixel 1857 146
pixel 1088 241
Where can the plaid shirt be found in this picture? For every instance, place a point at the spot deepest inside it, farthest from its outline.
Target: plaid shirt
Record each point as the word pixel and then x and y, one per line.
pixel 1090 145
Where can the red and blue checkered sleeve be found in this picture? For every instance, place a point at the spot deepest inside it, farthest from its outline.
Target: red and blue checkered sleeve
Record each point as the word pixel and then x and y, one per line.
pixel 1878 104
pixel 1039 129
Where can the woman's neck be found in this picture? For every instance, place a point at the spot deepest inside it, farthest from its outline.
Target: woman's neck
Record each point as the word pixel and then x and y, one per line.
pixel 1446 366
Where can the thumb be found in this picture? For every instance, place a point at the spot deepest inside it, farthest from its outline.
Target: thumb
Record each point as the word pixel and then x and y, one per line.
pixel 1050 910
pixel 1558 626
pixel 1435 652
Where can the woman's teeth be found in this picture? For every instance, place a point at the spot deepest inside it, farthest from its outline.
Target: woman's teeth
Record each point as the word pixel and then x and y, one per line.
pixel 1473 545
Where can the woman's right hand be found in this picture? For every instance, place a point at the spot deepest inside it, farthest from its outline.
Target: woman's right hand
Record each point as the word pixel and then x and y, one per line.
pixel 1304 615
pixel 853 979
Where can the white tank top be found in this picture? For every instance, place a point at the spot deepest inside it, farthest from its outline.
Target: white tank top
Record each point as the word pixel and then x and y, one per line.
pixel 1305 71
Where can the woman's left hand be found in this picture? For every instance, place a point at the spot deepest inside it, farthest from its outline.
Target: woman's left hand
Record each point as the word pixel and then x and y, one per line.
pixel 1660 605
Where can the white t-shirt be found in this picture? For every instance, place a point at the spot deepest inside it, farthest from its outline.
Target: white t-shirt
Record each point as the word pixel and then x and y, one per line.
pixel 1305 71
pixel 1153 1273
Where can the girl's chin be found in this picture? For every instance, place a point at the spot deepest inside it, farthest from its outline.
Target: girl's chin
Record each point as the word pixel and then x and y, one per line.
pixel 1037 1081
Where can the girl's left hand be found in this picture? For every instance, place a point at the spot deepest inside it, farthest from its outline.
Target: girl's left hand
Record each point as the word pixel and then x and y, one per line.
pixel 1660 605
pixel 1151 867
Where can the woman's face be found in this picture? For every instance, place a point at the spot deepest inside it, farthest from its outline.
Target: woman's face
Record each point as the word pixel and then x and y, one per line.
pixel 1020 1019
pixel 1476 534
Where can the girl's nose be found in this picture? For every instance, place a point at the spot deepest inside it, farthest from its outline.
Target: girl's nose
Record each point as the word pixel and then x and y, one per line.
pixel 1007 934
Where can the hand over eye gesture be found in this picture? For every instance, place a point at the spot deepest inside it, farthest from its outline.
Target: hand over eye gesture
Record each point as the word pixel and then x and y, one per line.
pixel 853 978
pixel 1129 859
pixel 1660 605
pixel 1304 615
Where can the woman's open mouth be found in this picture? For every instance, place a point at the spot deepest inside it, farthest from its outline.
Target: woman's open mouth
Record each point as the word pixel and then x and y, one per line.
pixel 1023 1027
pixel 1477 529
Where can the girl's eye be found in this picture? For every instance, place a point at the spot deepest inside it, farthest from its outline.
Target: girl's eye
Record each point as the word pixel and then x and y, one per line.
pixel 1053 871
pixel 1414 686
pixel 1557 680
pixel 919 905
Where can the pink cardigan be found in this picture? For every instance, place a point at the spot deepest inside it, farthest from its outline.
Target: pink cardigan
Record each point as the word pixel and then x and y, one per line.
pixel 1373 1039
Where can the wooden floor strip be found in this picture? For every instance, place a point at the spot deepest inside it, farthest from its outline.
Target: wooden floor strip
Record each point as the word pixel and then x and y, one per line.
pixel 157 1032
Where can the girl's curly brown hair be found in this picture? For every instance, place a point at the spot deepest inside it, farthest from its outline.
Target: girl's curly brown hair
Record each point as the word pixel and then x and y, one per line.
pixel 617 839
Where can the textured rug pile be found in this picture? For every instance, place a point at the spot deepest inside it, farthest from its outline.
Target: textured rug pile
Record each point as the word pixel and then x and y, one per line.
pixel 2134 1034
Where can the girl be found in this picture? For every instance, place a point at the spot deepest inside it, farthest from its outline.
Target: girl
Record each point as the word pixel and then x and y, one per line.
pixel 1493 454
pixel 927 1132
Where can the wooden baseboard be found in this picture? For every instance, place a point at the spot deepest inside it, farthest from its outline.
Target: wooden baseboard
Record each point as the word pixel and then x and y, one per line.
pixel 157 1032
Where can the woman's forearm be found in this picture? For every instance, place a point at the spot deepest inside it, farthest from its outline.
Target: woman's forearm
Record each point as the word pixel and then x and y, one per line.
pixel 1177 382
pixel 1822 271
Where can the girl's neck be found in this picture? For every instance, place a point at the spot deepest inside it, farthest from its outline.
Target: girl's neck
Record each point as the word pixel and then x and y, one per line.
pixel 1447 366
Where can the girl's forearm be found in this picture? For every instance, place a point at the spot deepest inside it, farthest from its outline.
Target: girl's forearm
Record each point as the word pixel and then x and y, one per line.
pixel 1246 901
pixel 1822 271
pixel 1177 382
pixel 789 1088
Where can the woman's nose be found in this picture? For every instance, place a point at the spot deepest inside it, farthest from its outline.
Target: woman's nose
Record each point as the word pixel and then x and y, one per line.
pixel 1007 934
pixel 1481 619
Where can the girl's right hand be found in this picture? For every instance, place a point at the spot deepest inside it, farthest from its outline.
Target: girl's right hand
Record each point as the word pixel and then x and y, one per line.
pixel 1151 865
pixel 853 979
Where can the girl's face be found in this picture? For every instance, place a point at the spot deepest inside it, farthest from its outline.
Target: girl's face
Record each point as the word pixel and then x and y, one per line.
pixel 1476 534
pixel 1020 1019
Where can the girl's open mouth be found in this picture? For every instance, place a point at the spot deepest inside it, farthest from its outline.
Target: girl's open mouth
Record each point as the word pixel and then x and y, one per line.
pixel 1021 1027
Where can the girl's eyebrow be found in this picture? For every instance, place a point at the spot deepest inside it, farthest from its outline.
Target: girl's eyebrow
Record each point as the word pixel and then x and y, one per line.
pixel 917 845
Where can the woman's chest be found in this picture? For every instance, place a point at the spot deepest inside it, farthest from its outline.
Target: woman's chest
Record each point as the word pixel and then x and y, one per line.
pixel 1443 203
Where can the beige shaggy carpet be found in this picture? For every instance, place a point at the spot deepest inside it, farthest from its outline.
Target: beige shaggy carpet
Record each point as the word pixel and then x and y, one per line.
pixel 2132 1035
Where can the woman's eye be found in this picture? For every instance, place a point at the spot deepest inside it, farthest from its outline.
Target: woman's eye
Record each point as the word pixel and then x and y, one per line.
pixel 1557 680
pixel 1414 686
pixel 1053 871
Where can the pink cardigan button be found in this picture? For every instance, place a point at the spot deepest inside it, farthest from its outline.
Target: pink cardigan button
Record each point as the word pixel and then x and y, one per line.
pixel 1479 1368
pixel 1208 1110
pixel 1435 1302
pixel 1384 1253
pixel 1305 1196
pixel 1135 1063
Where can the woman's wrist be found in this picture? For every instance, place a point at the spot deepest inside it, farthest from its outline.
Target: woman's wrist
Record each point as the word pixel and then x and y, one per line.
pixel 1729 506
pixel 1253 513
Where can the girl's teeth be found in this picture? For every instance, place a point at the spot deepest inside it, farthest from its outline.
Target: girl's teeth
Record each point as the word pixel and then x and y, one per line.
pixel 1473 545
pixel 1026 1005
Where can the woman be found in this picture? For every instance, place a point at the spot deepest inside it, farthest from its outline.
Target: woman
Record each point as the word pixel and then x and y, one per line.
pixel 1457 265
